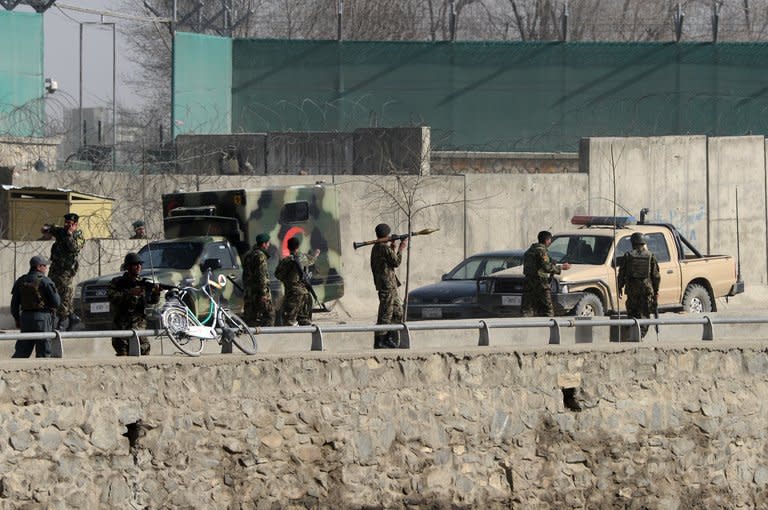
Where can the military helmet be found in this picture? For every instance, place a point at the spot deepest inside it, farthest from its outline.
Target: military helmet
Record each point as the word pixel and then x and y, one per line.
pixel 132 258
pixel 638 239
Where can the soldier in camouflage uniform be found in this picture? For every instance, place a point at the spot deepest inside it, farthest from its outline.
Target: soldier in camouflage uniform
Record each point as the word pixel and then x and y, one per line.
pixel 639 277
pixel 257 307
pixel 384 260
pixel 128 295
pixel 33 301
pixel 538 268
pixel 297 301
pixel 66 248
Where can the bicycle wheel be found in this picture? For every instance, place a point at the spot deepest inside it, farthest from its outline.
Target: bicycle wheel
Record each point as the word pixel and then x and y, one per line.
pixel 243 338
pixel 176 323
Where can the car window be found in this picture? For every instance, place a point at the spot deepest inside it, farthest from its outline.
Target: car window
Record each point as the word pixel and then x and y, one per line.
pixel 467 270
pixel 657 244
pixel 494 265
pixel 580 249
pixel 170 255
pixel 221 252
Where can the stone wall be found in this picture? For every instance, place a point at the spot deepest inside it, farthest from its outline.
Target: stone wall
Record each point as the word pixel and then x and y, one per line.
pixel 616 427
pixel 18 153
pixel 461 162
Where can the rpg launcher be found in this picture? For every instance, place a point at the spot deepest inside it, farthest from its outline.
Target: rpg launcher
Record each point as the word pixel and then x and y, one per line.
pixel 396 237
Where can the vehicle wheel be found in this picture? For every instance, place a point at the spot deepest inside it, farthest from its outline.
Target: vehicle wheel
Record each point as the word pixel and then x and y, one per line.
pixel 696 299
pixel 243 338
pixel 176 323
pixel 589 306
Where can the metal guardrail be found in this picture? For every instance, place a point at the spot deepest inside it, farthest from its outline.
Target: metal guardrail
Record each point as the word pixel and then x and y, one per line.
pixel 618 327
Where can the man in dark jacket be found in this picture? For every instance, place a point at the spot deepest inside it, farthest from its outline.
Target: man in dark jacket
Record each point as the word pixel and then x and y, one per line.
pixel 384 260
pixel 128 295
pixel 33 302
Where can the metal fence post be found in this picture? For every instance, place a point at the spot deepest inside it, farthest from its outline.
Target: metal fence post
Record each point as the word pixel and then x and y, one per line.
pixel 317 338
pixel 226 340
pixel 57 346
pixel 485 336
pixel 405 337
pixel 554 332
pixel 134 347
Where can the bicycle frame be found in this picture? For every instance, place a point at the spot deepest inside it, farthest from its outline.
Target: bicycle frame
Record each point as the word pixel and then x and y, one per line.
pixel 198 328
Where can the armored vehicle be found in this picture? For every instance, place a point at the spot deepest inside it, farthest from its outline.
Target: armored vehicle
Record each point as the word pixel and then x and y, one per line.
pixel 214 229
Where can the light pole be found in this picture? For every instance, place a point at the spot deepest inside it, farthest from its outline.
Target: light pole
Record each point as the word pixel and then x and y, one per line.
pixel 81 134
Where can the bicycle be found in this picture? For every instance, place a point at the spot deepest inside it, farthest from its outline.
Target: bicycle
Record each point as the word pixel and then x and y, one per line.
pixel 188 333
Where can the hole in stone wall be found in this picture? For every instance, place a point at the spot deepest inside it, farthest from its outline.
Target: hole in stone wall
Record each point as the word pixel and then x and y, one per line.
pixel 569 399
pixel 133 433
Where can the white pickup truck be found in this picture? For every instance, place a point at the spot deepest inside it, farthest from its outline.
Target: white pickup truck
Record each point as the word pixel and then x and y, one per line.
pixel 689 280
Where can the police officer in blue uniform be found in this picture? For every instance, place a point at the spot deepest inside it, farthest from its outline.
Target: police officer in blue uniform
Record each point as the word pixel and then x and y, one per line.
pixel 33 302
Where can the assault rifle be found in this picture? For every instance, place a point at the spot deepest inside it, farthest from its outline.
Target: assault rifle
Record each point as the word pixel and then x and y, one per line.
pixel 395 237
pixel 306 279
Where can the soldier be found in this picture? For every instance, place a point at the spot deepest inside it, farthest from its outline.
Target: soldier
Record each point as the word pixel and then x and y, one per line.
pixel 384 260
pixel 292 271
pixel 139 230
pixel 639 277
pixel 33 302
pixel 538 270
pixel 66 248
pixel 257 306
pixel 128 295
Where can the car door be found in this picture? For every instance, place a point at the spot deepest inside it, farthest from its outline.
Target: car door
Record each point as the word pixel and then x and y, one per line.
pixel 669 286
pixel 232 296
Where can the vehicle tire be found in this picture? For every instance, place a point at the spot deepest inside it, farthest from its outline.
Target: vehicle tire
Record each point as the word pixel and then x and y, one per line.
pixel 589 306
pixel 176 324
pixel 243 338
pixel 697 299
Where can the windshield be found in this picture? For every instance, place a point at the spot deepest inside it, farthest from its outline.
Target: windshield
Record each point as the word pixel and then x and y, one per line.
pixel 170 255
pixel 580 249
pixel 476 267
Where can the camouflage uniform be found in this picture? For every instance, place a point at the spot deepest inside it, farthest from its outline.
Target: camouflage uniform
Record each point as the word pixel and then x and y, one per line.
pixel 639 277
pixel 128 309
pixel 538 269
pixel 64 264
pixel 297 301
pixel 33 301
pixel 256 311
pixel 384 260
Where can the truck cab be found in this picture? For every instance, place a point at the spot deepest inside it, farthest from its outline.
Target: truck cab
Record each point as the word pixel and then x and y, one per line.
pixel 689 280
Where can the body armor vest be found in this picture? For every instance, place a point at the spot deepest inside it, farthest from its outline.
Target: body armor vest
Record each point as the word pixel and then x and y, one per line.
pixel 639 266
pixel 31 298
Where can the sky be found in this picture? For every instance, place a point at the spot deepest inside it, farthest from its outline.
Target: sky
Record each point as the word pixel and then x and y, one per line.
pixel 61 26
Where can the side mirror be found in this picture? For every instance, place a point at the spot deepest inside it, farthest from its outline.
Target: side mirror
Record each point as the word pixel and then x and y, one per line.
pixel 211 264
pixel 444 277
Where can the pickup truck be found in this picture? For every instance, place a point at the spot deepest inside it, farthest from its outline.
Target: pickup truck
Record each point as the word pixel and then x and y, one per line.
pixel 175 261
pixel 690 281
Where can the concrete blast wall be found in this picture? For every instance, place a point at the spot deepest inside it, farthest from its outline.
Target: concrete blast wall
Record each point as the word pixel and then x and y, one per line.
pixel 689 181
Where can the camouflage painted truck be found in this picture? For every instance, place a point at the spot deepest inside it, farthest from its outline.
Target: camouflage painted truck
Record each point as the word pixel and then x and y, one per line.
pixel 214 229
pixel 690 281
